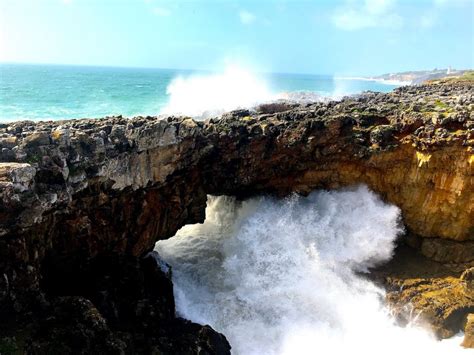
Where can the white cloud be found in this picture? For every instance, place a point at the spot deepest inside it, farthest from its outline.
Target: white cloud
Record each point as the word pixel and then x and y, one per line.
pixel 161 11
pixel 356 15
pixel 247 17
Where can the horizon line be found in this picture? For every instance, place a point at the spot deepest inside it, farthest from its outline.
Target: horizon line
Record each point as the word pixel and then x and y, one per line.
pixel 333 75
pixel 149 68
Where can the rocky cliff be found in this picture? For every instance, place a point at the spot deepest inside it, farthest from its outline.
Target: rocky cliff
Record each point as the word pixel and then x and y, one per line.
pixel 77 194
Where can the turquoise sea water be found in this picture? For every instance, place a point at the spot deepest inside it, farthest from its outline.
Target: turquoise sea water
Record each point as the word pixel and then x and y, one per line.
pixel 60 92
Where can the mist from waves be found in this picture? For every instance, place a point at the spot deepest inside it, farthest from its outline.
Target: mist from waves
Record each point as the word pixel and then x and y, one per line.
pixel 283 276
pixel 200 95
pixel 205 95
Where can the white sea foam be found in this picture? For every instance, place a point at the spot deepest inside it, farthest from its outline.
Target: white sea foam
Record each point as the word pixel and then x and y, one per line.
pixel 279 276
pixel 208 95
pixel 304 97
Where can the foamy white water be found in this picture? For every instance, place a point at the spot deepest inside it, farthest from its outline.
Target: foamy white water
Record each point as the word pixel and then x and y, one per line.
pixel 201 95
pixel 208 95
pixel 279 276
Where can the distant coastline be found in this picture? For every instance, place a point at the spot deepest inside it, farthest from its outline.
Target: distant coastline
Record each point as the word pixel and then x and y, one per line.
pixel 410 77
pixel 394 82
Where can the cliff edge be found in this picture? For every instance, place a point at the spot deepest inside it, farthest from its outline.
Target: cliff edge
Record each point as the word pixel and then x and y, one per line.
pixel 80 195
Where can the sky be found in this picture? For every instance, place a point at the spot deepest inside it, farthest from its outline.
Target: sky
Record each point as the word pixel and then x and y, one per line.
pixel 357 37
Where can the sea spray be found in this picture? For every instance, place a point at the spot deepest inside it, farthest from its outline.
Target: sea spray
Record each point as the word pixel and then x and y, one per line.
pixel 53 92
pixel 209 95
pixel 283 276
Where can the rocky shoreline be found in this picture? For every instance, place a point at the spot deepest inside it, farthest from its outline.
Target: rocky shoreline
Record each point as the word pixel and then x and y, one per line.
pixel 84 202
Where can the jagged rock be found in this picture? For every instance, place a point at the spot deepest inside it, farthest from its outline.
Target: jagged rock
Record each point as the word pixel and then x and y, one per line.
pixel 76 192
pixel 36 139
pixel 423 291
pixel 123 305
pixel 76 327
pixel 468 279
pixel 439 302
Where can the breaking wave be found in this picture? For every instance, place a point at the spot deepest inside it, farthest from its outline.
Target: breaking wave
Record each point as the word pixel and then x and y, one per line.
pixel 284 276
pixel 209 95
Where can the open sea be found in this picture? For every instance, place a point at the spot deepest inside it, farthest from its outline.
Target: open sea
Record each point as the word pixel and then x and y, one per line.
pixel 53 92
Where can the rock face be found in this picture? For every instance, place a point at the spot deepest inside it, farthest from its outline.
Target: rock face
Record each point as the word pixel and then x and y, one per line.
pixel 76 192
pixel 469 332
pixel 126 305
pixel 422 291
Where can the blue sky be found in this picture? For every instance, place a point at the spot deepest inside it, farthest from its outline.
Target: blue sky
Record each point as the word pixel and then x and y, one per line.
pixel 357 37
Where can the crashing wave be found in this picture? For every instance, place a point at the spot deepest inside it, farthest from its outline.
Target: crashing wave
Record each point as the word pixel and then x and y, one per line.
pixel 283 276
pixel 203 96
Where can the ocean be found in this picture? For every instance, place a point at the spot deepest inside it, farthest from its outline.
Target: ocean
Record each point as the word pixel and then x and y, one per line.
pixel 54 92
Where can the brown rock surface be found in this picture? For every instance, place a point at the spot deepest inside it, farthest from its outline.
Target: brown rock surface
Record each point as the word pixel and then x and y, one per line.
pixel 469 332
pixel 74 192
pixel 425 292
pixel 467 278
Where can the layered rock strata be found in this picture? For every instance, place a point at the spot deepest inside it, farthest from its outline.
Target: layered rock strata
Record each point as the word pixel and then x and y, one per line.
pixel 76 192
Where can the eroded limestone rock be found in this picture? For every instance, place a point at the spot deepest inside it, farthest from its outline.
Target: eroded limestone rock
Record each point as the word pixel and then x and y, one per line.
pixel 74 192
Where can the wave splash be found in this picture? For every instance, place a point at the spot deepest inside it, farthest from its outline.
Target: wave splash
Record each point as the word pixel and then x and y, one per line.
pixel 283 276
pixel 210 95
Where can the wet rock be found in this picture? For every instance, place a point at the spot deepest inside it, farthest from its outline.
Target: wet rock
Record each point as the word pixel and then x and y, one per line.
pixel 424 292
pixel 439 302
